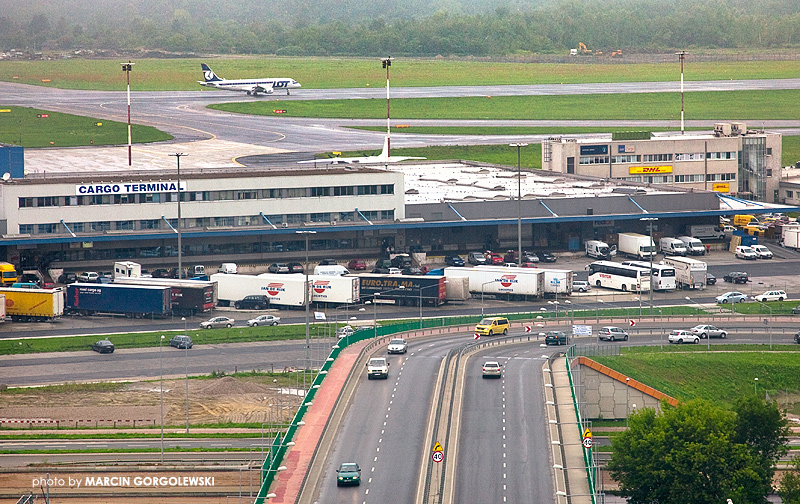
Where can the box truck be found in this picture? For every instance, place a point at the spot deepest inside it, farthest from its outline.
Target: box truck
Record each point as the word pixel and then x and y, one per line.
pixel 689 273
pixel 404 289
pixel 636 245
pixel 600 249
pixel 130 300
pixel 334 289
pixel 507 283
pixel 791 238
pixel 672 246
pixel 707 232
pixel 188 296
pixel 282 290
pixel 30 305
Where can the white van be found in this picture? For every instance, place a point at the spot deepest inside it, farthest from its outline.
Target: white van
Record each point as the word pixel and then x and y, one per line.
pixel 331 269
pixel 693 245
pixel 600 249
pixel 228 268
pixel 672 246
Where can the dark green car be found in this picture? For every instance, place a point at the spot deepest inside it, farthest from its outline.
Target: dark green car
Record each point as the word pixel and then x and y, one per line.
pixel 348 474
pixel 555 338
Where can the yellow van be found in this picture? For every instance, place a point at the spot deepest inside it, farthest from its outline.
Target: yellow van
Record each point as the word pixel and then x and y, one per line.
pixel 9 273
pixel 491 326
pixel 743 220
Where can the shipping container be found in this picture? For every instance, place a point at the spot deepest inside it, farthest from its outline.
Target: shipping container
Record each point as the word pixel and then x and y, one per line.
pixel 33 304
pixel 130 300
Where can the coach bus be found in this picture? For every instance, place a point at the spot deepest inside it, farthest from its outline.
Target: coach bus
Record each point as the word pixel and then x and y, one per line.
pixel 612 275
pixel 662 276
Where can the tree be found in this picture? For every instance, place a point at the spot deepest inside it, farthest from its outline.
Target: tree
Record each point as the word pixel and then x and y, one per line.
pixel 697 449
pixel 790 484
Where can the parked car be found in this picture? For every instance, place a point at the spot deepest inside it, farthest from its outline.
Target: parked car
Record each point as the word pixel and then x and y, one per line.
pixel 395 271
pixel 708 331
pixel 264 320
pixel 328 262
pixel 493 258
pixel 476 258
pixel 160 273
pixel 772 295
pixel 797 337
pixel 103 346
pixel 529 265
pixel 510 265
pixel 612 333
pixel 344 331
pixel 217 322
pixel 278 268
pixel 397 345
pixel 357 265
pixel 413 270
pixel 295 267
pixel 68 278
pixel 796 310
pixel 88 277
pixel 555 338
pixel 511 256
pixel 710 279
pixel 348 474
pixel 105 278
pixel 743 252
pixel 546 256
pixel 581 285
pixel 680 336
pixel 252 302
pixel 382 271
pixel 181 341
pixel 761 251
pixel 731 297
pixel 736 277
pixel 492 369
pixel 454 260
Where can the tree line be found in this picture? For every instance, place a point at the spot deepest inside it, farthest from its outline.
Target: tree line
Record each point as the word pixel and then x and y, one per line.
pixel 555 27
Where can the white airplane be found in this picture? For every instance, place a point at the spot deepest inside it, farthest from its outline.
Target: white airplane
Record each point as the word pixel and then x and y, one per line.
pixel 251 86
pixel 383 157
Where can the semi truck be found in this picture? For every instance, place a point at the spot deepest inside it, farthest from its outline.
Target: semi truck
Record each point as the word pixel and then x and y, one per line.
pixel 130 300
pixel 689 273
pixel 404 289
pixel 333 289
pixel 600 249
pixel 281 290
pixel 31 305
pixel 188 296
pixel 636 245
pixel 557 282
pixel 499 281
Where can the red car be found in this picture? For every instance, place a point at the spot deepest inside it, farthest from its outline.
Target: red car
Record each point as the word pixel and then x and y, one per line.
pixel 494 258
pixel 357 264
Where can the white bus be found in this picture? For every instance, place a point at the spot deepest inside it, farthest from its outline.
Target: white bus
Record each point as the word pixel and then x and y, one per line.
pixel 662 276
pixel 612 275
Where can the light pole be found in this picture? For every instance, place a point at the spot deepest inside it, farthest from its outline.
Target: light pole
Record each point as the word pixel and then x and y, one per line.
pixel 127 68
pixel 421 300
pixel 708 338
pixel 186 362
pixel 386 63
pixel 482 286
pixel 681 57
pixel 519 146
pixel 766 320
pixel 627 403
pixel 755 386
pixel 306 301
pixel 178 156
pixel 652 253
pixel 161 368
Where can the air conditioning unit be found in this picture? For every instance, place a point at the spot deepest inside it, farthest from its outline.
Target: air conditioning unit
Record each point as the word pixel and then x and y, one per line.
pixel 284 225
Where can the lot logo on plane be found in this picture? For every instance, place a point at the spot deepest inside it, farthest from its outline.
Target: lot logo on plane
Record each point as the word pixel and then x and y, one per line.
pixel 274 288
pixel 507 280
pixel 321 286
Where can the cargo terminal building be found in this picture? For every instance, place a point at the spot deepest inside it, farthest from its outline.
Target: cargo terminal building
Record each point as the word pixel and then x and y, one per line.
pixel 255 215
pixel 732 160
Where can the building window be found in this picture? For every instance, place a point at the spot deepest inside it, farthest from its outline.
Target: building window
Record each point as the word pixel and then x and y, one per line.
pixel 25 202
pixel 26 229
pixel 656 158
pixel 321 217
pixel 48 228
pixel 47 201
pixel 628 158
pixel 297 192
pixel 152 198
pixel 367 189
pixel 688 179
pixel 246 195
pixel 125 225
pixel 721 155
pixel 591 160
pixel 76 227
pixel 387 215
pixel 657 179
pixel 769 151
pixel 150 224
pixel 343 191
pixel 387 189
pixel 347 216
pixel 690 156
pixel 789 194
pixel 720 177
pixel 320 191
pixel 273 193
pixel 223 221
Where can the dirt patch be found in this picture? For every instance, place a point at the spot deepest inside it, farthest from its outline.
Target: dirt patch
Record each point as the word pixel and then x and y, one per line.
pixel 221 400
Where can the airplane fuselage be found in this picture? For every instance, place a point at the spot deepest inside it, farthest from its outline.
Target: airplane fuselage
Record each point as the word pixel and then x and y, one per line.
pixel 253 86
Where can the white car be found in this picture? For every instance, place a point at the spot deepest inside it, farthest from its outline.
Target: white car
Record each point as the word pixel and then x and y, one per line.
pixel 344 331
pixel 743 252
pixel 88 276
pixel 773 295
pixel 264 320
pixel 397 345
pixel 680 336
pixel 581 286
pixel 762 252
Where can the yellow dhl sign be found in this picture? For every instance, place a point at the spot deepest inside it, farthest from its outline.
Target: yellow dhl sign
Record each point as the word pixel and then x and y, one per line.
pixel 721 187
pixel 650 169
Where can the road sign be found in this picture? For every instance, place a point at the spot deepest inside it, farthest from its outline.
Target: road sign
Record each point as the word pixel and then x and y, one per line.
pixel 437 456
pixel 477 336
pixel 587 438
pixel 527 328
pixel 632 322
pixel 438 447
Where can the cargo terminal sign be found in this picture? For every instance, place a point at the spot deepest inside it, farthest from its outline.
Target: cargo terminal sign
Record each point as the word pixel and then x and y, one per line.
pixel 129 188
pixel 638 170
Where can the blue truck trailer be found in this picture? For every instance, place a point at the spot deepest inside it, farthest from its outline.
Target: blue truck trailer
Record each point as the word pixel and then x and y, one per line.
pixel 130 300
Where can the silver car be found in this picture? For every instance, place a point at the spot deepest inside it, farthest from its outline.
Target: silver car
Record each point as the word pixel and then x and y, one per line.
pixel 217 322
pixel 398 345
pixel 708 331
pixel 680 336
pixel 264 320
pixel 612 334
pixel 492 369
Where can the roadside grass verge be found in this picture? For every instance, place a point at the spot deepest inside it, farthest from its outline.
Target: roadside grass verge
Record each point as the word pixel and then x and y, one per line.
pixel 129 435
pixel 328 73
pixel 22 126
pixel 720 376
pixel 768 308
pixel 176 449
pixel 710 105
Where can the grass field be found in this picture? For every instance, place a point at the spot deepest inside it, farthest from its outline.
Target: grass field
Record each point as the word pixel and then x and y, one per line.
pixel 719 376
pixel 329 73
pixel 23 126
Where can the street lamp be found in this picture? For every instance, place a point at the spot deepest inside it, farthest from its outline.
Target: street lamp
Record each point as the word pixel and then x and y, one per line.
pixel 755 386
pixel 421 299
pixel 482 286
pixel 127 68
pixel 627 403
pixel 161 367
pixel 386 63
pixel 519 146
pixel 178 156
pixel 652 253
pixel 186 362
pixel 681 57
pixel 306 301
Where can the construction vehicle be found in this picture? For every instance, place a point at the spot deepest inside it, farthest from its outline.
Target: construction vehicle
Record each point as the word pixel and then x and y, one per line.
pixel 617 53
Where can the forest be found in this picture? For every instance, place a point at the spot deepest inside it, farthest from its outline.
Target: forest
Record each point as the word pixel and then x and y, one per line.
pixel 481 28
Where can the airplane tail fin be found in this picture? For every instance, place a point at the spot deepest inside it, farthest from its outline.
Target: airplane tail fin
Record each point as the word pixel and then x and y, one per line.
pixel 209 74
pixel 385 152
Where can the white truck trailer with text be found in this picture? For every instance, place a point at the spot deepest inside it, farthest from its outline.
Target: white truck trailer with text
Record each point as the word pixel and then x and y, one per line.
pixel 636 245
pixel 508 283
pixel 689 273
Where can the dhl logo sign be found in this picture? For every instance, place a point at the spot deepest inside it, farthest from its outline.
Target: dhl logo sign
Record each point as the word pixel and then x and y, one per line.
pixel 721 187
pixel 274 288
pixel 321 286
pixel 650 169
pixel 507 280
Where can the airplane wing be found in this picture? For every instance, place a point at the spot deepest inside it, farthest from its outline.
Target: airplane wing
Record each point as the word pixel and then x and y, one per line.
pixel 260 88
